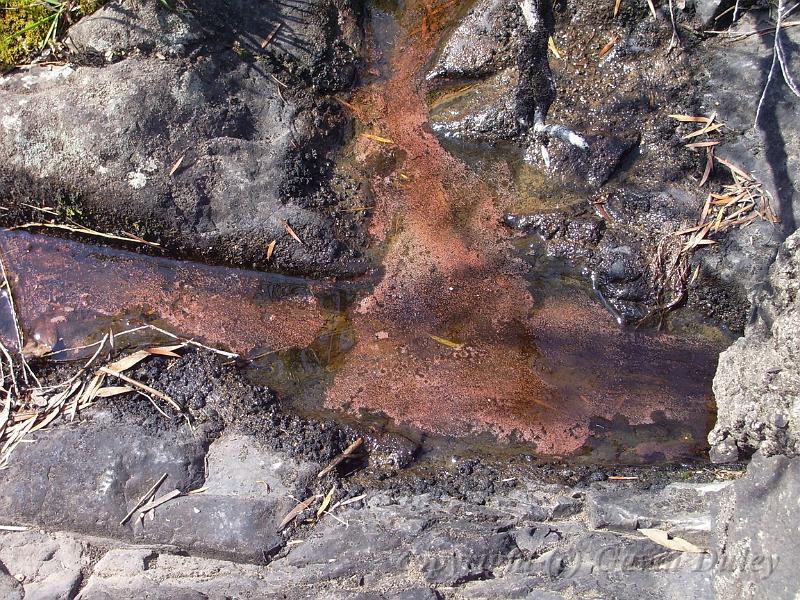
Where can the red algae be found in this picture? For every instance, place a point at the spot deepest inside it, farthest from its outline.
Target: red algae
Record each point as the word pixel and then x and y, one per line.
pixel 64 290
pixel 536 373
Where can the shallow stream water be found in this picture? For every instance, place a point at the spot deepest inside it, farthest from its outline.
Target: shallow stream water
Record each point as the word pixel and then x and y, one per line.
pixel 464 342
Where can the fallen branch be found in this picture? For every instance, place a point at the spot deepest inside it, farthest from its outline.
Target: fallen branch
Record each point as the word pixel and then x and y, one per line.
pixel 144 498
pixel 341 458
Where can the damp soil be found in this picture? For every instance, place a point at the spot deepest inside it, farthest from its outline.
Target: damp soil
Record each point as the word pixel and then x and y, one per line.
pixel 459 345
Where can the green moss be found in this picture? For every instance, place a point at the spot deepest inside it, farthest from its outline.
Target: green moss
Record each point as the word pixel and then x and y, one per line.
pixel 16 16
pixel 25 25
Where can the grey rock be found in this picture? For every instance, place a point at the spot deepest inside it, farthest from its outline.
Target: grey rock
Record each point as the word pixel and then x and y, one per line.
pixel 683 510
pixel 85 479
pixel 48 566
pixel 756 531
pixel 143 572
pixel 106 138
pixel 483 43
pixel 10 588
pixel 770 151
pixel 238 467
pixel 724 451
pixel 109 33
pixel 706 10
pixel 756 386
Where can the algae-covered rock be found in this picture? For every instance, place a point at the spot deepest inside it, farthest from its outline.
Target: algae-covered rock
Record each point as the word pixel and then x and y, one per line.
pixel 207 130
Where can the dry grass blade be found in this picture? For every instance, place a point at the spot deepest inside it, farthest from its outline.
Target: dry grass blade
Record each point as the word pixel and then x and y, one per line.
pixel 84 231
pixel 145 388
pixel 703 131
pixel 623 478
pixel 341 458
pixel 706 144
pixel 144 498
pixel 709 165
pixel 377 138
pixel 734 169
pixel 298 510
pixel 176 166
pixel 652 8
pixel 691 119
pixel 617 4
pixel 348 501
pixel 111 391
pixel 662 538
pixel 271 249
pixel 13 528
pixel 292 233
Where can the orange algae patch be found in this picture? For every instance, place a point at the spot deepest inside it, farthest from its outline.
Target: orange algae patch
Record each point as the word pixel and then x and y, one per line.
pixel 507 367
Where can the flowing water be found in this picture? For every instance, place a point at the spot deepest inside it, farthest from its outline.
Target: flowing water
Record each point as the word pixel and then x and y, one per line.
pixel 459 340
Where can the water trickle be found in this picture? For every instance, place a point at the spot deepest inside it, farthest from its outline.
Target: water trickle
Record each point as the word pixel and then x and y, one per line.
pixel 461 338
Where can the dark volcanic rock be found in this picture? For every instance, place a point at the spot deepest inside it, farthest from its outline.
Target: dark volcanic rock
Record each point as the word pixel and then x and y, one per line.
pixel 769 149
pixel 254 137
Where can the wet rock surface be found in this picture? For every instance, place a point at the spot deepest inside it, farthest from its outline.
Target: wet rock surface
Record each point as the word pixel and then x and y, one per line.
pixel 634 148
pixel 246 120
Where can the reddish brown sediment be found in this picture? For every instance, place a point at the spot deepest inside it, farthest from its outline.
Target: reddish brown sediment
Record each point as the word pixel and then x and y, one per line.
pixel 63 290
pixel 537 373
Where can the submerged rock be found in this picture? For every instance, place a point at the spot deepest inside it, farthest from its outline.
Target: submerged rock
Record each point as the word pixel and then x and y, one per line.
pixel 203 130
pixel 756 386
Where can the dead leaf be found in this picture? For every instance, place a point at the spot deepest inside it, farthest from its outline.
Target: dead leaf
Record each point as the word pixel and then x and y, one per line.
pixel 166 351
pixel 378 138
pixel 551 45
pixel 341 458
pixel 292 233
pixel 608 47
pixel 114 390
pixel 127 362
pixel 326 502
pixel 159 501
pixel 271 36
pixel 446 342
pixel 297 510
pixel 150 493
pixel 271 249
pixel 662 538
pixel 176 166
